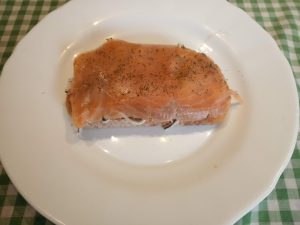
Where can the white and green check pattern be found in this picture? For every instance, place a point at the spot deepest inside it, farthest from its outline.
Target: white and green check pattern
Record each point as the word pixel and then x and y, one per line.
pixel 280 18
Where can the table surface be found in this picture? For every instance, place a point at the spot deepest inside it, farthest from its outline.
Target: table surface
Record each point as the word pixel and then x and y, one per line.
pixel 280 18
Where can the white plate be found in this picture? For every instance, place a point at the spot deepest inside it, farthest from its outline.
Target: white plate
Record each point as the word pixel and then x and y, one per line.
pixel 187 175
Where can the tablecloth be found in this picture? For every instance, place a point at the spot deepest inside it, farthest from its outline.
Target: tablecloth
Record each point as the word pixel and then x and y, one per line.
pixel 280 18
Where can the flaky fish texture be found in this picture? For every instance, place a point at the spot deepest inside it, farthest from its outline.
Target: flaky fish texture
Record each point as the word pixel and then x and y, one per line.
pixel 123 84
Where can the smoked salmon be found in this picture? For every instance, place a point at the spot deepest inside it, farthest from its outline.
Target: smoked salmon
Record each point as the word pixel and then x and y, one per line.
pixel 122 84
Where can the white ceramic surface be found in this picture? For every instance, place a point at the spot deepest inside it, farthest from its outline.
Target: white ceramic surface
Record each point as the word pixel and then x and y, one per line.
pixel 185 175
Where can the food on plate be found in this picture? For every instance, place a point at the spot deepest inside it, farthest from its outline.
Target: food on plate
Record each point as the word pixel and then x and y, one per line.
pixel 122 84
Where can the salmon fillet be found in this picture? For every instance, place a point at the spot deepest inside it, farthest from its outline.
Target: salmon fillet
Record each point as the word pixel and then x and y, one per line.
pixel 123 84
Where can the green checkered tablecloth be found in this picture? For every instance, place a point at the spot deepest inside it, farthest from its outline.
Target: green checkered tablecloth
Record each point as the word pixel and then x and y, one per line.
pixel 280 18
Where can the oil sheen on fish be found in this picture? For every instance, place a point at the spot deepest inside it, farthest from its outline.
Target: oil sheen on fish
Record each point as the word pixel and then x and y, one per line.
pixel 122 84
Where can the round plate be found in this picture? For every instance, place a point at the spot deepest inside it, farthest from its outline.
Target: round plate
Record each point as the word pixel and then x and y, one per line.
pixel 185 175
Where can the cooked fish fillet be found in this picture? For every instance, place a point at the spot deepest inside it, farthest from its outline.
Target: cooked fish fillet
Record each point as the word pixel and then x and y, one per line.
pixel 123 84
